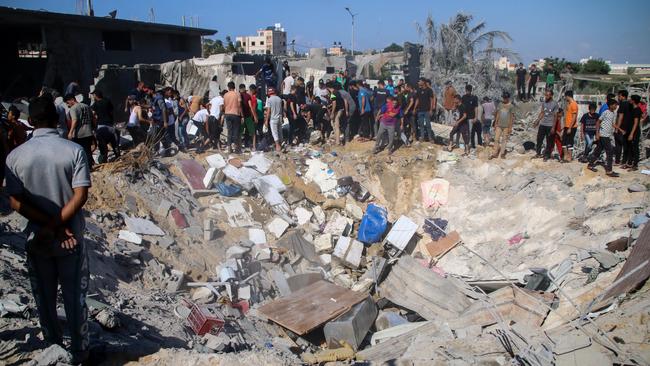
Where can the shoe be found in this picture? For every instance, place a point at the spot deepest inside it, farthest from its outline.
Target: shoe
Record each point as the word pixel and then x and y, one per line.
pixel 625 166
pixel 612 174
pixel 632 169
pixel 545 159
pixel 537 156
pixel 592 168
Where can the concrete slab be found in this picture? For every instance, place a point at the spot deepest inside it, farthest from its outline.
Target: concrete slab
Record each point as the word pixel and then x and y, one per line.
pixel 352 326
pixel 277 227
pixel 301 280
pixel 323 243
pixel 130 237
pixel 259 162
pixel 257 236
pixel 349 251
pixel 303 215
pixel 216 161
pixel 142 226
pixel 193 172
pixel 401 233
pixel 209 177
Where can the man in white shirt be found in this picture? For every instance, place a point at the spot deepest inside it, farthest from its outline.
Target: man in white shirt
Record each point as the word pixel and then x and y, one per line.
pixel 288 83
pixel 215 106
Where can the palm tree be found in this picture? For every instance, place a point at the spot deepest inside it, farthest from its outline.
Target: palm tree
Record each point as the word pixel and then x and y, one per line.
pixel 460 46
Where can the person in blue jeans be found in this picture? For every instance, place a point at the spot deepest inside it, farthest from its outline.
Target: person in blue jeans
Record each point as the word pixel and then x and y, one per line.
pixel 588 129
pixel 425 102
pixel 183 118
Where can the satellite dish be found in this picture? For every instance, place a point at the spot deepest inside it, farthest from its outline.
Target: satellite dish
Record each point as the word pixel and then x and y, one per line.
pixel 113 14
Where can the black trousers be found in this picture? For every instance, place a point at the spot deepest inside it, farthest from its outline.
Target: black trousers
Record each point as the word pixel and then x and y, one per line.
pixel 365 126
pixel 138 134
pixel 545 133
pixel 531 87
pixel 619 142
pixel 603 144
pixel 477 130
pixel 107 135
pixel 631 150
pixel 87 144
pixel 460 130
pixel 521 89
pixel 71 272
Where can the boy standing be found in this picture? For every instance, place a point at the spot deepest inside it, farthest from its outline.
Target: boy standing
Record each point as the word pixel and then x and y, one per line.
pixel 388 118
pixel 505 117
pixel 570 126
pixel 588 129
pixel 461 126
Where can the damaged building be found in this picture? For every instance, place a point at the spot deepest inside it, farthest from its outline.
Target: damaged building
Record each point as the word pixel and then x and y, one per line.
pixel 54 49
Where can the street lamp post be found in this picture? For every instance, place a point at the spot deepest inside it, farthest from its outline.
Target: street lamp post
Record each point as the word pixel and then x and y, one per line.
pixel 352 15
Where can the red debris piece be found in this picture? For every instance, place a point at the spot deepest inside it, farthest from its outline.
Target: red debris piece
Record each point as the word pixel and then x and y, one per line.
pixel 193 172
pixel 179 219
pixel 202 321
pixel 242 305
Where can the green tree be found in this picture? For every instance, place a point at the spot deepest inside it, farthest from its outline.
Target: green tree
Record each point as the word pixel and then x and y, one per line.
pixel 394 47
pixel 212 47
pixel 230 46
pixel 596 66
pixel 560 65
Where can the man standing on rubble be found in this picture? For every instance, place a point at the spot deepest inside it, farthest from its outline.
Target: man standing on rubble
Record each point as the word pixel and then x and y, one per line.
pixel 533 76
pixel 249 116
pixel 233 117
pixel 273 119
pixel 470 104
pixel 425 102
pixel 82 126
pixel 633 135
pixel 158 131
pixel 521 82
pixel 106 133
pixel 570 126
pixel 47 182
pixel 624 117
pixel 546 122
pixel 603 139
pixel 449 102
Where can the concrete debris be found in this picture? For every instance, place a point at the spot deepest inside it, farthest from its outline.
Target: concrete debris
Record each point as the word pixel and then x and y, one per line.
pixel 237 215
pixel 394 331
pixel 275 182
pixel 303 216
pixel 52 356
pixel 209 177
pixel 257 236
pixel 401 233
pixel 351 327
pixel 338 225
pixel 130 237
pixel 108 318
pixel 259 162
pixel 216 161
pixel 142 226
pixel 349 251
pixel 243 176
pixel 389 319
pixel 323 243
pixel 163 208
pixel 277 227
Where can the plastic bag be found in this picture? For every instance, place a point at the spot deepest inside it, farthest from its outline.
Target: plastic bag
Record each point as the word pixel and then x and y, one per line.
pixel 228 190
pixel 373 224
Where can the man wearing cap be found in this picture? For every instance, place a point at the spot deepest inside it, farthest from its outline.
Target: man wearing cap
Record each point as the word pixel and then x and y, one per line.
pixel 106 133
pixel 47 182
pixel 273 117
pixel 82 126
pixel 320 91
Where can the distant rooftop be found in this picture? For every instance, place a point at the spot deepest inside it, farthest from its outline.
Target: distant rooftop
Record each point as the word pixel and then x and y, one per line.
pixel 23 16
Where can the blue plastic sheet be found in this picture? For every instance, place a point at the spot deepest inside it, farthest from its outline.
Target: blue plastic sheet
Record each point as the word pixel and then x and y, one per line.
pixel 373 224
pixel 228 190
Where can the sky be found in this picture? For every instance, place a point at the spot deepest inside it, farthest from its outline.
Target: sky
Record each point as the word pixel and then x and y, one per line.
pixel 571 29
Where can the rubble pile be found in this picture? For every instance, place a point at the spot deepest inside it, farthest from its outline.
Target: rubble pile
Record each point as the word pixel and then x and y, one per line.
pixel 319 255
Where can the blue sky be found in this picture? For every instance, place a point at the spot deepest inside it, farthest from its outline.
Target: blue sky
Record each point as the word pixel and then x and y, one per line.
pixel 611 30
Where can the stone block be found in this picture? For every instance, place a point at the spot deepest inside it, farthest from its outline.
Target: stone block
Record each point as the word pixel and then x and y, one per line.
pixel 352 326
pixel 349 251
pixel 323 243
pixel 179 219
pixel 163 208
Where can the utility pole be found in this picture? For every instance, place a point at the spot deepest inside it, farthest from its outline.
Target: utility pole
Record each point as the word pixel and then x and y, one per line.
pixel 352 15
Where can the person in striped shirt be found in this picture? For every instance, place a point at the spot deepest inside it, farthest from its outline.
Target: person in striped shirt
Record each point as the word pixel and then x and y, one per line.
pixel 604 134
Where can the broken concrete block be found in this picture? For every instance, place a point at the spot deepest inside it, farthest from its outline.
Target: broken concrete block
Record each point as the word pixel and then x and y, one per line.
pixel 163 208
pixel 338 225
pixel 389 319
pixel 175 283
pixel 130 237
pixel 244 292
pixel 303 215
pixel 323 243
pixel 237 251
pixel 208 229
pixel 636 187
pixel 395 331
pixel 259 162
pixel 257 236
pixel 216 161
pixel 142 226
pixel 294 195
pixel 243 176
pixel 352 326
pixel 217 343
pixel 166 241
pixel 353 210
pixel 300 280
pixel 203 293
pixel 209 177
pixel 277 227
pixel 194 231
pixel 325 259
pixel 108 318
pixel 334 203
pixel 179 219
pixel 238 216
pixel 53 355
pixel 319 214
pixel 349 251
pixel 261 253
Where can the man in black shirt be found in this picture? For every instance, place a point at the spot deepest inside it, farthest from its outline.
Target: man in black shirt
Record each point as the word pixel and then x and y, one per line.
pixel 301 94
pixel 106 134
pixel 533 76
pixel 521 81
pixel 470 106
pixel 632 135
pixel 623 118
pixel 425 102
pixel 310 88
